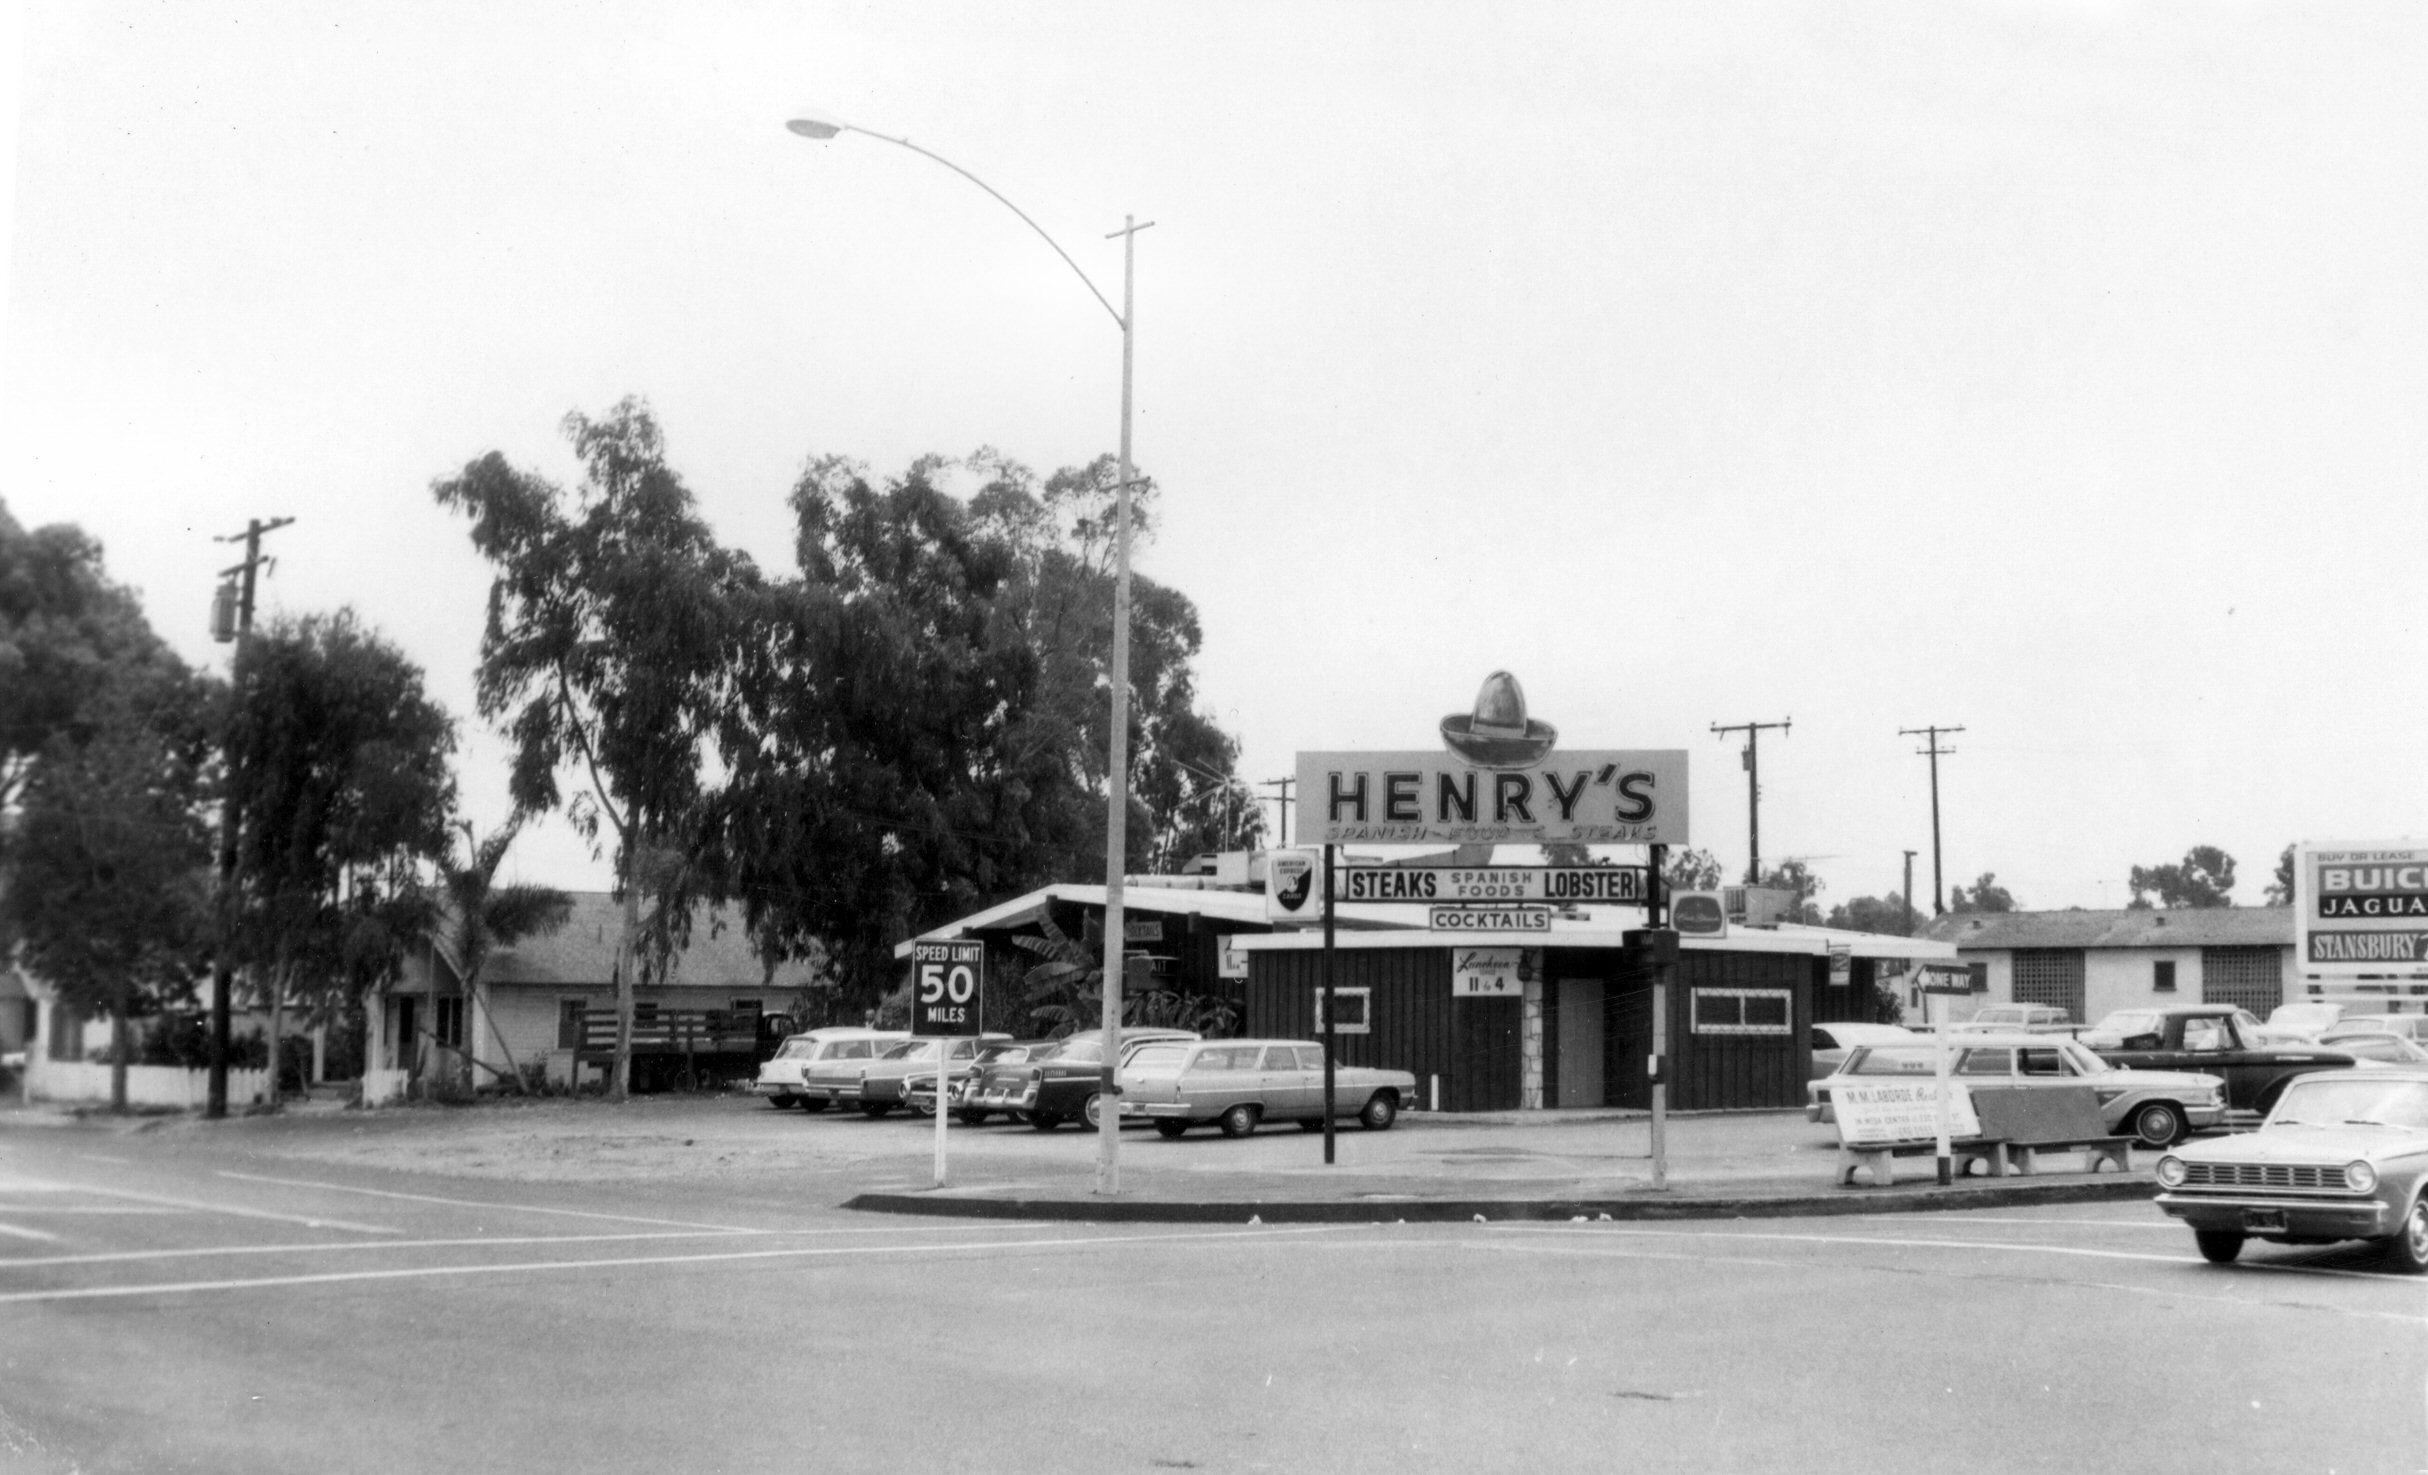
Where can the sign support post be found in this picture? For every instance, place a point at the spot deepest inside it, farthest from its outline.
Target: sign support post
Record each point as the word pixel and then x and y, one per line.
pixel 948 1001
pixel 1939 981
pixel 1654 918
pixel 1329 1004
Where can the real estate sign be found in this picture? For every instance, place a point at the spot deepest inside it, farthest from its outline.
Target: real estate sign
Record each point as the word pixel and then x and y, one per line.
pixel 2360 909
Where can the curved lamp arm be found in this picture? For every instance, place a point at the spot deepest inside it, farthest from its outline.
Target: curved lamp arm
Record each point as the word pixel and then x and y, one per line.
pixel 812 123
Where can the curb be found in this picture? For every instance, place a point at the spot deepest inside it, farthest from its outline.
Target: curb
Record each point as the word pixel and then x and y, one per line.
pixel 1927 1199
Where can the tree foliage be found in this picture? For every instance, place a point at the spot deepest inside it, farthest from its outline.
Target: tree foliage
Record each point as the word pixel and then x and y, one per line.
pixel 68 633
pixel 612 647
pixel 2280 885
pixel 1986 896
pixel 109 863
pixel 1794 875
pixel 338 777
pixel 2201 879
pixel 1693 870
pixel 1888 915
pixel 478 916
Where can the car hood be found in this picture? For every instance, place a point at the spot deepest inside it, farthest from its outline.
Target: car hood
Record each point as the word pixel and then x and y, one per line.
pixel 2310 1145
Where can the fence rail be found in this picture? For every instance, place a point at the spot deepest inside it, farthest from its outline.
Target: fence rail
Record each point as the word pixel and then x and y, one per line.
pixel 674 1032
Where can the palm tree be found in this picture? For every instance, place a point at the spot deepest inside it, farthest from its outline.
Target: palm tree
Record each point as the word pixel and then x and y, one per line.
pixel 481 916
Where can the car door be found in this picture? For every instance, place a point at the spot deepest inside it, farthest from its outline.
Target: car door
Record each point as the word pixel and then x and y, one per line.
pixel 1289 1091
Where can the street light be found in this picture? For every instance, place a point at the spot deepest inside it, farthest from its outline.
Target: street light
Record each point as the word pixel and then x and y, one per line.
pixel 820 125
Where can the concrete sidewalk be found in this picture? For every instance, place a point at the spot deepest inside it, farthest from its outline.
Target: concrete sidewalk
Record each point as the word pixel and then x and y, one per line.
pixel 1500 1165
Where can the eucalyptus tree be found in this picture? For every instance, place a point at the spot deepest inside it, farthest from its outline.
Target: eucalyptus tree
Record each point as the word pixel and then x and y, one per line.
pixel 616 628
pixel 338 780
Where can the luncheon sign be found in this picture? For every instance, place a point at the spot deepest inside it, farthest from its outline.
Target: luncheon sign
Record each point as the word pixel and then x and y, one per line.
pixel 1496 780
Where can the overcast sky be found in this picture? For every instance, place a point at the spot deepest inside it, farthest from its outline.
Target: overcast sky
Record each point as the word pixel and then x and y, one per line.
pixel 2055 371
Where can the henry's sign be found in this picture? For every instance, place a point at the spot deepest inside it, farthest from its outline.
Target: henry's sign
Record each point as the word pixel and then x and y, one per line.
pixel 948 987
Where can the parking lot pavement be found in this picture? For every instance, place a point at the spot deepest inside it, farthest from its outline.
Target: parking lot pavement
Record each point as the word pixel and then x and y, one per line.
pixel 755 1161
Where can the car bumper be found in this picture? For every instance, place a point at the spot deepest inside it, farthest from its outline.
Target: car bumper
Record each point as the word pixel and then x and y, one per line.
pixel 774 1088
pixel 1166 1110
pixel 1001 1100
pixel 2260 1213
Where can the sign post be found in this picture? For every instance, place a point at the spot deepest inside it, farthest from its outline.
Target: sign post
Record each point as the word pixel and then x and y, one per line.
pixel 948 1000
pixel 1331 1005
pixel 1943 979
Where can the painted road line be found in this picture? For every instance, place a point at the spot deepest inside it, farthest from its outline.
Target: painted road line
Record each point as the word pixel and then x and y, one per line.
pixel 803 1252
pixel 467 1203
pixel 240 1212
pixel 2169 1292
pixel 18 1232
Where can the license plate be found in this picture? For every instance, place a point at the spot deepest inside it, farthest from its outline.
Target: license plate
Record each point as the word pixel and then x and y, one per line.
pixel 2264 1221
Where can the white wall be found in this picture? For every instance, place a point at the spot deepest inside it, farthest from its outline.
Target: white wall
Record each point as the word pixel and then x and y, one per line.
pixel 146 1085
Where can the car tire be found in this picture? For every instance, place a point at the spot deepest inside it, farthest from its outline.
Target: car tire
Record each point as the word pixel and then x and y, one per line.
pixel 2159 1125
pixel 812 1107
pixel 972 1117
pixel 1379 1113
pixel 2409 1249
pixel 1310 1124
pixel 1044 1121
pixel 1240 1120
pixel 1091 1111
pixel 1168 1127
pixel 779 1102
pixel 874 1109
pixel 2218 1246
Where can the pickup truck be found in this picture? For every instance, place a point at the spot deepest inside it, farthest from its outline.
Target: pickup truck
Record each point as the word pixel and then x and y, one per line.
pixel 2214 1039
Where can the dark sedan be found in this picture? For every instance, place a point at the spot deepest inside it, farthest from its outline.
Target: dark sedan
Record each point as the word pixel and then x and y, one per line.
pixel 1058 1084
pixel 2211 1039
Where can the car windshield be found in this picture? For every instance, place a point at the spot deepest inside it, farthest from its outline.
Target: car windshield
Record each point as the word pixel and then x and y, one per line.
pixel 2305 1016
pixel 2358 1098
pixel 1160 1057
pixel 911 1050
pixel 2129 1022
pixel 1079 1052
pixel 797 1050
pixel 2379 1047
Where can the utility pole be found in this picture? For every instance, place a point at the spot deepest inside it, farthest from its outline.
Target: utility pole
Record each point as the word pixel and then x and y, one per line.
pixel 1285 785
pixel 232 621
pixel 1753 791
pixel 1906 897
pixel 1934 752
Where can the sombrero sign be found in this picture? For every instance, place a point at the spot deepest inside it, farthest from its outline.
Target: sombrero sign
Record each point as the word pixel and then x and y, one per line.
pixel 1499 777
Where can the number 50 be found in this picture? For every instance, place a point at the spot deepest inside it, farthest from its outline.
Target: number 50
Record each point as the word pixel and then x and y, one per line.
pixel 938 983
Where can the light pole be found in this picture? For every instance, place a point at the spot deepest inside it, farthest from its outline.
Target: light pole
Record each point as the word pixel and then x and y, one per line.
pixel 814 123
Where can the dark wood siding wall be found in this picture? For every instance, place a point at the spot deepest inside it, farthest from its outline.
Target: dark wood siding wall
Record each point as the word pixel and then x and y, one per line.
pixel 1474 1046
pixel 1712 1071
pixel 1470 1044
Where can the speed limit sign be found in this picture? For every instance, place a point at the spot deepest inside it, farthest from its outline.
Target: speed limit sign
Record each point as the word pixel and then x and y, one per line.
pixel 948 987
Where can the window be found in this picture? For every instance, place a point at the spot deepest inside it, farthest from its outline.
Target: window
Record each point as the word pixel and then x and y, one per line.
pixel 2050 975
pixel 2252 978
pixel 447 1021
pixel 1741 1011
pixel 1281 1057
pixel 1310 1057
pixel 2162 976
pixel 1356 1011
pixel 2206 1034
pixel 572 1016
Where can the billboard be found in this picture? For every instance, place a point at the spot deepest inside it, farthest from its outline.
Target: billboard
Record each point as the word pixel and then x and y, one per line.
pixel 1590 796
pixel 2360 908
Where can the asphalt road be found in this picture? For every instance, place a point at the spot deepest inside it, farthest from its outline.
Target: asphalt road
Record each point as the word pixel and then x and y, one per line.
pixel 190 1304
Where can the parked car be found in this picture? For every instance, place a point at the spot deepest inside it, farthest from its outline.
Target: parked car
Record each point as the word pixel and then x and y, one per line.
pixel 2343 1155
pixel 1237 1084
pixel 2159 1107
pixel 2300 1023
pixel 1833 1042
pixel 919 1086
pixel 875 1086
pixel 1062 1082
pixel 2409 1026
pixel 2385 1049
pixel 2217 1039
pixel 2032 1018
pixel 782 1079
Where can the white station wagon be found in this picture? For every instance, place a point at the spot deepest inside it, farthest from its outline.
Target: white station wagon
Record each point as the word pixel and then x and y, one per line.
pixel 785 1079
pixel 1237 1084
